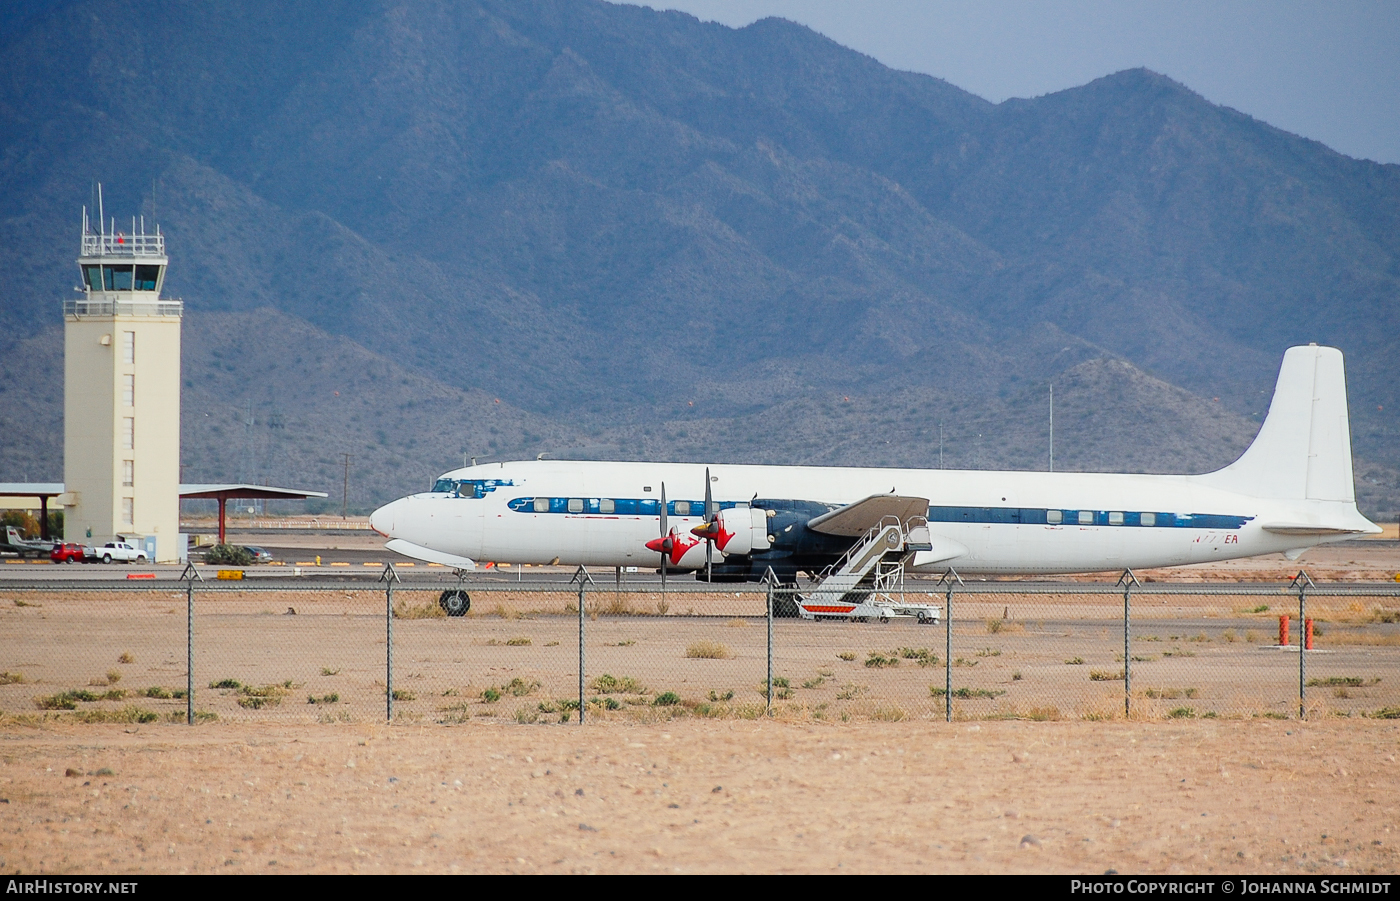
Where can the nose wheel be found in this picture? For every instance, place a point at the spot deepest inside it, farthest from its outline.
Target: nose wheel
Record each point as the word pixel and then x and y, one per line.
pixel 455 602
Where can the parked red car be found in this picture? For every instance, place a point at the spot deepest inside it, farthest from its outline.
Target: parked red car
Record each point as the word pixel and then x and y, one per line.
pixel 68 553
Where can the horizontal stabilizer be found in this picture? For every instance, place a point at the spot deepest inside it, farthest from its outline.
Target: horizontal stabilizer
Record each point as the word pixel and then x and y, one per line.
pixel 1303 528
pixel 417 552
pixel 854 520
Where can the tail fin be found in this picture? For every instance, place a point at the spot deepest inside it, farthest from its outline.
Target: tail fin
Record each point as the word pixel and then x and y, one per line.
pixel 1303 451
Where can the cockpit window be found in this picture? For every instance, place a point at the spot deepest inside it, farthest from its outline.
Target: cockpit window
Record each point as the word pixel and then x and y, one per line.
pixel 442 486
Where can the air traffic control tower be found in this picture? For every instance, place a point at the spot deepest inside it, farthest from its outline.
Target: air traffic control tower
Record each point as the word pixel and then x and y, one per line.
pixel 121 394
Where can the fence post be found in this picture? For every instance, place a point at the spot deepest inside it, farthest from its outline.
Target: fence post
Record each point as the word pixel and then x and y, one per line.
pixel 189 654
pixel 582 577
pixel 1127 580
pixel 953 579
pixel 770 578
pixel 389 576
pixel 189 576
pixel 1302 582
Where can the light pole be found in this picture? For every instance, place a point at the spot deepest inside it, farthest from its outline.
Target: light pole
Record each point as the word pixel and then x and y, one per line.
pixel 345 486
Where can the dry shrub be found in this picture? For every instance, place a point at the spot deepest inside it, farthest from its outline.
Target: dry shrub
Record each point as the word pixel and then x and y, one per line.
pixel 616 605
pixel 1166 693
pixel 12 678
pixel 129 714
pixel 708 650
pixel 1367 637
pixel 430 610
pixel 255 698
pixel 616 685
pixel 126 658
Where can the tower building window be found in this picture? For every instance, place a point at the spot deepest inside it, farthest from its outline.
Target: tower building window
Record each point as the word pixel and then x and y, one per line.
pixel 128 511
pixel 128 347
pixel 128 433
pixel 128 473
pixel 129 390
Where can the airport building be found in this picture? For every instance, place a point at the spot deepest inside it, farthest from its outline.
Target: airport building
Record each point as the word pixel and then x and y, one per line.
pixel 121 410
pixel 121 395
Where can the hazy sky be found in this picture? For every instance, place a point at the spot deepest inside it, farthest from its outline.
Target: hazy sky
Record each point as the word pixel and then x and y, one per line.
pixel 1326 70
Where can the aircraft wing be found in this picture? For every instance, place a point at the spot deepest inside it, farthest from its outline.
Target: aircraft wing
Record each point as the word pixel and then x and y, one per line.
pixel 854 520
pixel 417 552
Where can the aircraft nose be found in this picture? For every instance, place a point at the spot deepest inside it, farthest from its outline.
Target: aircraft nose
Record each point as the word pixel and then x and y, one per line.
pixel 383 519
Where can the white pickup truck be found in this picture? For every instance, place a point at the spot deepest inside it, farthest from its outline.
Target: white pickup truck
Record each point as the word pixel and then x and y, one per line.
pixel 116 550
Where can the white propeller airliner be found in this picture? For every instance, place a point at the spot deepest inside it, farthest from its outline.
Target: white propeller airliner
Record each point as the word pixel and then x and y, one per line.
pixel 1292 489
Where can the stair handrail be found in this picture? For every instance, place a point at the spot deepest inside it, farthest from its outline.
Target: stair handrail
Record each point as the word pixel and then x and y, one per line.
pixel 885 522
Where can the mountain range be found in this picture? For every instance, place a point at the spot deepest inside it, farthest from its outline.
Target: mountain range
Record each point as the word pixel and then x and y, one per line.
pixel 511 228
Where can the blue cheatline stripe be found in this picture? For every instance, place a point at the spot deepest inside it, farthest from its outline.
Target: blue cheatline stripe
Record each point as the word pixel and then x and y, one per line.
pixel 1039 516
pixel 622 506
pixel 1072 517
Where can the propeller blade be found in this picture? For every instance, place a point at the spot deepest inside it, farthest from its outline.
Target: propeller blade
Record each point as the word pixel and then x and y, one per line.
pixel 665 537
pixel 709 519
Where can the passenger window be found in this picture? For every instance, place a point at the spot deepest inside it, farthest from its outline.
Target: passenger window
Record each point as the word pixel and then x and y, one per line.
pixel 541 505
pixel 1086 517
pixel 575 505
pixel 1053 517
pixel 1115 519
pixel 682 508
pixel 606 505
pixel 1149 519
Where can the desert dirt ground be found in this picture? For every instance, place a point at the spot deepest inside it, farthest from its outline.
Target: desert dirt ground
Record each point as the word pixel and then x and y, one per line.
pixel 856 771
pixel 703 796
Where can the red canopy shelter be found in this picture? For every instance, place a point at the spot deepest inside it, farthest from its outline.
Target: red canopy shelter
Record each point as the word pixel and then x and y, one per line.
pixel 223 493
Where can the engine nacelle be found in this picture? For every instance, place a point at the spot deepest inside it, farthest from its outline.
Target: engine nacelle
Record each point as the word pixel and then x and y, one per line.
pixel 742 530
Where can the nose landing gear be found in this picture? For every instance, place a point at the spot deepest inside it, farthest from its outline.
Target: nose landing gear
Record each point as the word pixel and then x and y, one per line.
pixel 455 602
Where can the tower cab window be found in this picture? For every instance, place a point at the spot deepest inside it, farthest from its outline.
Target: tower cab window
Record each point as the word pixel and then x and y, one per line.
pixel 146 277
pixel 116 278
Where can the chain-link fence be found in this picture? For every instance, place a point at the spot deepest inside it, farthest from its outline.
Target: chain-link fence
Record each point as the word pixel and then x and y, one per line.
pixel 458 651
